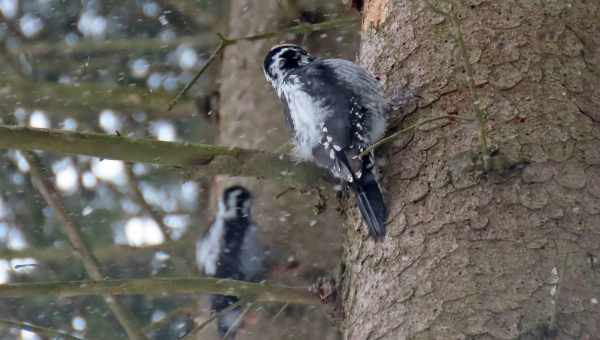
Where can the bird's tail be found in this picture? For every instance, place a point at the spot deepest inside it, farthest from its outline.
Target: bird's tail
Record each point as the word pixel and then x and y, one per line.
pixel 228 319
pixel 371 203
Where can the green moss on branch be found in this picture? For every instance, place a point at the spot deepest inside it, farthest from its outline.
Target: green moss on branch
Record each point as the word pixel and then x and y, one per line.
pixel 84 98
pixel 89 47
pixel 254 291
pixel 104 254
pixel 200 159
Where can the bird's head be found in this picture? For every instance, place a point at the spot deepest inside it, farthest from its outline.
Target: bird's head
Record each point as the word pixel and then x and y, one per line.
pixel 282 59
pixel 235 203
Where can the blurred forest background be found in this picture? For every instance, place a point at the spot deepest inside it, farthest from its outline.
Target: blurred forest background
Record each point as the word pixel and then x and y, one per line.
pixel 112 67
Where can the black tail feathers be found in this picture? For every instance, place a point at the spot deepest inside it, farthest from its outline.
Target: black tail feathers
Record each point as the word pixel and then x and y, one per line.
pixel 371 203
pixel 228 319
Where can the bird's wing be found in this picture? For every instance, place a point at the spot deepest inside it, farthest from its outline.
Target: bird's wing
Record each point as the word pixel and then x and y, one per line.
pixel 252 254
pixel 327 90
pixel 360 82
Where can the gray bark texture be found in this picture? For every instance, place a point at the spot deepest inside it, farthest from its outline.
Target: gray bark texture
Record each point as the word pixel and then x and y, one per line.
pixel 505 255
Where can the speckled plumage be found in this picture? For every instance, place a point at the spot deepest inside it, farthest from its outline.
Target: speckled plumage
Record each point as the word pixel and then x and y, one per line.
pixel 231 249
pixel 335 109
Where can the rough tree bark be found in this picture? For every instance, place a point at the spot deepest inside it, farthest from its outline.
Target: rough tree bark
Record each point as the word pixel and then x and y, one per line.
pixel 505 255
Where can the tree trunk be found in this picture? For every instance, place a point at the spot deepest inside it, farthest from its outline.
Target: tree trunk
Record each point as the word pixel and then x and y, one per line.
pixel 250 116
pixel 495 255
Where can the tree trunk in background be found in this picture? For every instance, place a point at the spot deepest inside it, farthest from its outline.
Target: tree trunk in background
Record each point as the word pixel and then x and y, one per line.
pixel 485 257
pixel 250 116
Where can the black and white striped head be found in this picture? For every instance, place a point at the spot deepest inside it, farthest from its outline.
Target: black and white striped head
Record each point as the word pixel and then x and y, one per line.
pixel 235 203
pixel 284 58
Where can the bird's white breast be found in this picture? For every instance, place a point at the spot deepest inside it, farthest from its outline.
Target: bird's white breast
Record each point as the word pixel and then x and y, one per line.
pixel 209 248
pixel 307 113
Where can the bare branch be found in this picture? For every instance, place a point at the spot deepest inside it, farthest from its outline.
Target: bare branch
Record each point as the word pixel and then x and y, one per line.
pixel 207 63
pixel 201 326
pixel 397 134
pixel 140 200
pixel 186 310
pixel 260 292
pixel 157 216
pixel 80 247
pixel 200 159
pixel 236 323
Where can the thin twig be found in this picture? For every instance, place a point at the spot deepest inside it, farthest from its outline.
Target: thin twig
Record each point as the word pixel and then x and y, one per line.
pixel 224 42
pixel 285 305
pixel 214 315
pixel 155 326
pixel 78 243
pixel 562 275
pixel 237 321
pixel 44 331
pixel 139 199
pixel 260 292
pixel 481 115
pixel 396 134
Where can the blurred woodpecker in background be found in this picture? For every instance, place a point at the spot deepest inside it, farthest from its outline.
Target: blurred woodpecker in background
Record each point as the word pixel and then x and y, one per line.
pixel 335 110
pixel 231 249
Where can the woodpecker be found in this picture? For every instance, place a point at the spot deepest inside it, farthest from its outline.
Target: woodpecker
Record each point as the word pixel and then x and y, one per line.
pixel 231 249
pixel 335 110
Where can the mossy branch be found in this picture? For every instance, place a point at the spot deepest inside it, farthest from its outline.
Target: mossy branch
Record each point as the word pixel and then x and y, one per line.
pixel 84 98
pixel 113 46
pixel 259 292
pixel 199 159
pixel 186 310
pixel 104 254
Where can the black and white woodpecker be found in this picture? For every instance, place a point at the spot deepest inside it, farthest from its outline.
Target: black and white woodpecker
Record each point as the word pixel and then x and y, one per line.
pixel 335 110
pixel 231 249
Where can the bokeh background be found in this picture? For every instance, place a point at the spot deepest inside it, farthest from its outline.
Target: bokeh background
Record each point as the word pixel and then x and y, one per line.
pixel 112 67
